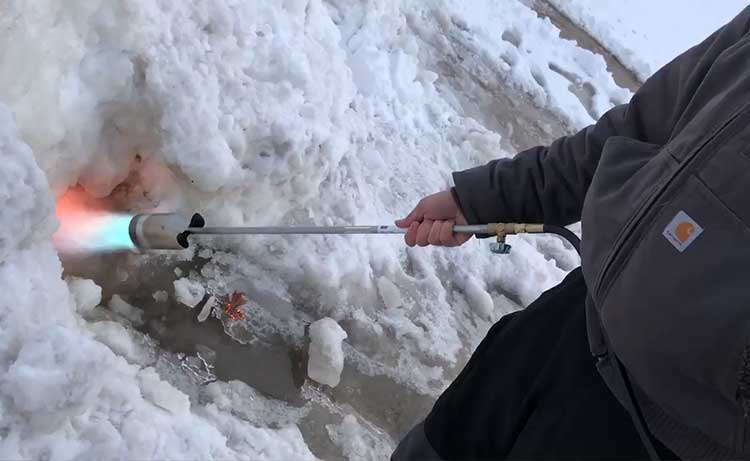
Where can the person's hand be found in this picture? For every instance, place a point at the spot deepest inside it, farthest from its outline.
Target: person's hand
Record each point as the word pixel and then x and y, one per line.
pixel 432 221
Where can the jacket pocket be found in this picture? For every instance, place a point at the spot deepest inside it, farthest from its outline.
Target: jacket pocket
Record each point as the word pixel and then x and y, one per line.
pixel 677 313
pixel 727 174
pixel 628 174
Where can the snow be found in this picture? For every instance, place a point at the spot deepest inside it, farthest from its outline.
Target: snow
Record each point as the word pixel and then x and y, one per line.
pixel 326 357
pixel 479 299
pixel 389 292
pixel 645 35
pixel 188 292
pixel 25 203
pixel 259 113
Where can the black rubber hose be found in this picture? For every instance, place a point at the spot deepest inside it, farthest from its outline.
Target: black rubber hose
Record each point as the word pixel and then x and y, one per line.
pixel 566 234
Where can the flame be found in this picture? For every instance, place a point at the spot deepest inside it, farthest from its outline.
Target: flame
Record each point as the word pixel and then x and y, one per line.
pixel 87 227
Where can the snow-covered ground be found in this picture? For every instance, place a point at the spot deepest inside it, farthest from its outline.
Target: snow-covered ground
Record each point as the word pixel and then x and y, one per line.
pixel 644 34
pixel 262 112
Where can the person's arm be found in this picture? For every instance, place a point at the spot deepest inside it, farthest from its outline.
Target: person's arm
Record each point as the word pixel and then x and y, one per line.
pixel 548 184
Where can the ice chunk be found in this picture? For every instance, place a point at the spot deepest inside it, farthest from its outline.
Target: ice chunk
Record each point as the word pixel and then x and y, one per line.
pixel 132 313
pixel 122 275
pixel 188 292
pixel 160 296
pixel 207 309
pixel 86 294
pixel 326 360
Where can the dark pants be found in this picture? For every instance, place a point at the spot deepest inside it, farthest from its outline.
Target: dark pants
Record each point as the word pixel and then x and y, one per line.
pixel 530 391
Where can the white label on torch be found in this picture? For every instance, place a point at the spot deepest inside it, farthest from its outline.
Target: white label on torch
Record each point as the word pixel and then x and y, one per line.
pixel 390 230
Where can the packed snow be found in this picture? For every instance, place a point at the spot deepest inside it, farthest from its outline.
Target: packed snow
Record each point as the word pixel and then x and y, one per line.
pixel 261 113
pixel 644 34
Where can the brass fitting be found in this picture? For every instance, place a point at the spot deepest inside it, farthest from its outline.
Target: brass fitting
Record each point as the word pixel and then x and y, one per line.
pixel 502 230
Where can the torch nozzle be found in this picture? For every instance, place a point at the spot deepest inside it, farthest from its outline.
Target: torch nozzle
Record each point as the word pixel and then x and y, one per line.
pixel 163 231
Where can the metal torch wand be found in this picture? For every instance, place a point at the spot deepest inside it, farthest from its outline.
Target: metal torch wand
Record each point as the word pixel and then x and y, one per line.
pixel 320 230
pixel 170 231
pixel 497 229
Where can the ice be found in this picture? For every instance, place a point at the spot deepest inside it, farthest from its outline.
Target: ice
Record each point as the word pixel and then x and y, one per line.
pixel 121 341
pixel 357 442
pixel 86 294
pixel 188 292
pixel 630 28
pixel 128 311
pixel 160 296
pixel 326 357
pixel 163 394
pixel 238 397
pixel 207 309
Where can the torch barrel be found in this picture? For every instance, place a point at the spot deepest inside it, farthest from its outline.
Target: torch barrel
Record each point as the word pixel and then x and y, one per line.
pixel 159 231
pixel 170 231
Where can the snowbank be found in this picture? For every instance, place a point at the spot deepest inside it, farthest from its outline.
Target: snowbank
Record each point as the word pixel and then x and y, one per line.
pixel 67 395
pixel 645 35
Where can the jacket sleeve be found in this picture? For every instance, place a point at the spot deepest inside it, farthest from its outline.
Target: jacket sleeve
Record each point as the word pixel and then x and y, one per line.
pixel 548 184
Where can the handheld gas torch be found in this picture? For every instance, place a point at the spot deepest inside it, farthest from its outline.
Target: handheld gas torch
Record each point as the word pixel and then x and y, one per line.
pixel 170 231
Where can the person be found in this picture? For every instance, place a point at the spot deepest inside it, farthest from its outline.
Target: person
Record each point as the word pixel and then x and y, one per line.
pixel 643 351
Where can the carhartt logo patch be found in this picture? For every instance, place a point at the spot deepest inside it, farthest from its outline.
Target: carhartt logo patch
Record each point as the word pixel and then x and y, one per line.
pixel 682 231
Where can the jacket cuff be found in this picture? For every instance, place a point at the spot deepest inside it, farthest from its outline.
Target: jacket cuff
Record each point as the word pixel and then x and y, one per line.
pixel 472 192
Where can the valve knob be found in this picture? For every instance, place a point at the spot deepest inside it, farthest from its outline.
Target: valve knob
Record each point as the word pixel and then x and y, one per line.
pixel 500 248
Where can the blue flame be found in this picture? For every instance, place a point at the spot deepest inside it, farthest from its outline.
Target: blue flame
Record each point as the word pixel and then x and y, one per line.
pixel 93 232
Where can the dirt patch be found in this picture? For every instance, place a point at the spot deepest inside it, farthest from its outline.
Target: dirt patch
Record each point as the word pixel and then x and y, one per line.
pixel 568 30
